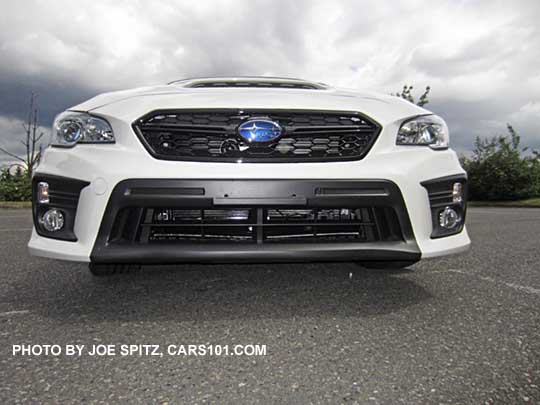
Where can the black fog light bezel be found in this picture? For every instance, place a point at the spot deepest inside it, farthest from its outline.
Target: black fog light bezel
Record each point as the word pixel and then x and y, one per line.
pixel 64 195
pixel 440 193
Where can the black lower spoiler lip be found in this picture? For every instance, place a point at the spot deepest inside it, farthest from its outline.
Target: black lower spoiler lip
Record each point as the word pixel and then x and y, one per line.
pixel 165 254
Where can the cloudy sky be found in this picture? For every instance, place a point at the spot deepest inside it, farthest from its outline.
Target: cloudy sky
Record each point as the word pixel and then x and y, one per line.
pixel 481 58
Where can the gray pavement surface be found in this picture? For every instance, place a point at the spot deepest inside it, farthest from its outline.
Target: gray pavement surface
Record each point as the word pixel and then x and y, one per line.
pixel 463 329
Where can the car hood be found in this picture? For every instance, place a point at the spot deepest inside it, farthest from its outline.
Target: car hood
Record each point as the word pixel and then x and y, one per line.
pixel 132 104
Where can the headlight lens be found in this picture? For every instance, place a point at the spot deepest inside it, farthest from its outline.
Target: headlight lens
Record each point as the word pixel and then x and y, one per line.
pixel 428 130
pixel 70 128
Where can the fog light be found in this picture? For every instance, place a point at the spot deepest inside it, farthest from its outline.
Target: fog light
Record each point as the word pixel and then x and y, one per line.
pixel 449 218
pixel 43 192
pixel 52 220
pixel 457 193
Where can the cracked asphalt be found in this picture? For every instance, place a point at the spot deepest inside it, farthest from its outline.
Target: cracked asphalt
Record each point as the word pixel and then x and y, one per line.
pixel 459 330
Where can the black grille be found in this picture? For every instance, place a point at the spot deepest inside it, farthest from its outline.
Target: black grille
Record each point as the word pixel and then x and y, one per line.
pixel 212 135
pixel 256 225
pixel 258 84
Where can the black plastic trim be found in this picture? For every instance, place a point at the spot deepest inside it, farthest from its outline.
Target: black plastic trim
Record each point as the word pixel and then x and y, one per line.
pixel 453 177
pixel 433 186
pixel 302 192
pixel 148 254
pixel 64 194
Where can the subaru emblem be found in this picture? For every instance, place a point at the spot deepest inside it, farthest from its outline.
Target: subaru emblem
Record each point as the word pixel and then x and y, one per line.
pixel 260 130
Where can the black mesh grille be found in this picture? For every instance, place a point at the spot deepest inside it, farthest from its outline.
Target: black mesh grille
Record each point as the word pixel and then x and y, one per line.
pixel 256 225
pixel 212 135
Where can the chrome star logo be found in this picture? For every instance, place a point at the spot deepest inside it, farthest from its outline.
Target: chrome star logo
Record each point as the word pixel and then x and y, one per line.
pixel 260 130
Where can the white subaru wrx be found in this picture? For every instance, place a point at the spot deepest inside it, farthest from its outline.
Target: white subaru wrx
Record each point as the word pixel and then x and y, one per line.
pixel 248 170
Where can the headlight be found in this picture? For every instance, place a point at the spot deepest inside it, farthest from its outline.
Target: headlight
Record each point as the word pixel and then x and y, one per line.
pixel 425 130
pixel 70 128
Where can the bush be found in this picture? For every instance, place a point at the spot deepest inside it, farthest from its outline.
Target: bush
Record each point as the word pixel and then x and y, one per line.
pixel 16 187
pixel 499 172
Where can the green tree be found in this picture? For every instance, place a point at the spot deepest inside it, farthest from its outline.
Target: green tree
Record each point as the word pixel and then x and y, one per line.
pixel 498 169
pixel 406 93
pixel 31 140
pixel 15 187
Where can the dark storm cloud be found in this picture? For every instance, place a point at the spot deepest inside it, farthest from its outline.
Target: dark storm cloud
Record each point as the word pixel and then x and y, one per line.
pixel 53 97
pixel 68 61
pixel 12 133
pixel 480 57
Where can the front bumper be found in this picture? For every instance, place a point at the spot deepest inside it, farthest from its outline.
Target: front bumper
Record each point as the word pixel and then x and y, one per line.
pixel 105 168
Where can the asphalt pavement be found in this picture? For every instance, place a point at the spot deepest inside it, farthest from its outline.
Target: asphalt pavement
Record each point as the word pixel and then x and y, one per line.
pixel 463 329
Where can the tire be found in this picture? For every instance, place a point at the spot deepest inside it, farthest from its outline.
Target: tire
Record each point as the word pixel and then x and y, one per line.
pixel 382 265
pixel 108 269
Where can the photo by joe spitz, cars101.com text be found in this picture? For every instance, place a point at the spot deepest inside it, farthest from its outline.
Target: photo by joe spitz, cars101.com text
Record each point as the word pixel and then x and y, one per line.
pixel 248 169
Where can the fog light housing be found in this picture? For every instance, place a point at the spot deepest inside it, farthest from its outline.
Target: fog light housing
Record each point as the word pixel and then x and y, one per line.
pixel 449 218
pixel 52 220
pixel 457 193
pixel 43 192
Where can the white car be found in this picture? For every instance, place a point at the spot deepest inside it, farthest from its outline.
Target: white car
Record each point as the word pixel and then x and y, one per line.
pixel 248 169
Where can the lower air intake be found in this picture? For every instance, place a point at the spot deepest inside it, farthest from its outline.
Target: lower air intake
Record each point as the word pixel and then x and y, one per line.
pixel 258 225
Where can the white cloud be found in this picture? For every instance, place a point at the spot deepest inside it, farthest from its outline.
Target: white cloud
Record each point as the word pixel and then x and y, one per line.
pixel 481 57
